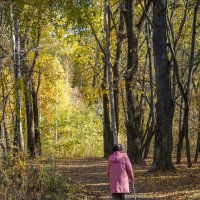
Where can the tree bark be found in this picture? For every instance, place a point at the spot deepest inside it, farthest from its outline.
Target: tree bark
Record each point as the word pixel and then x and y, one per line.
pixel 29 118
pixel 181 137
pixel 27 81
pixel 109 70
pixel 38 145
pixel 2 144
pixel 4 128
pixel 148 140
pixel 184 134
pixel 120 38
pixel 198 126
pixel 164 107
pixel 197 148
pixel 198 141
pixel 31 108
pixel 151 128
pixel 3 120
pixel 18 136
pixel 108 137
pixel 134 118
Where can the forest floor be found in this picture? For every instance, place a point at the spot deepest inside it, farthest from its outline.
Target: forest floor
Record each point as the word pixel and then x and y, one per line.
pixel 87 179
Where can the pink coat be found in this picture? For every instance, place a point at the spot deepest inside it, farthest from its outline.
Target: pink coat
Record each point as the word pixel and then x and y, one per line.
pixel 119 172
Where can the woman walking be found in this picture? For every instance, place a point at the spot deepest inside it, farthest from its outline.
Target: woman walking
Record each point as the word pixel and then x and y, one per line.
pixel 119 171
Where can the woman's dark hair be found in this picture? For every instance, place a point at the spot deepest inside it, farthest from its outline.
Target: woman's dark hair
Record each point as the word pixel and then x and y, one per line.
pixel 117 147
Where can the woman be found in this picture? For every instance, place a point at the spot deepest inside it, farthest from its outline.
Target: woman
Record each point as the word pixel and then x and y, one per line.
pixel 119 172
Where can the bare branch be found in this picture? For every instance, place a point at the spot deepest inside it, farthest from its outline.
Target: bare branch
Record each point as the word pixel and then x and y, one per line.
pixel 144 15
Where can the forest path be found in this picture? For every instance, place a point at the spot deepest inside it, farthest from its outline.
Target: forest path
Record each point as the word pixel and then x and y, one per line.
pixel 87 178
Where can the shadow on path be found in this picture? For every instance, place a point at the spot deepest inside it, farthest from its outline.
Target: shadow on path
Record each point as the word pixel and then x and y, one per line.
pixel 90 177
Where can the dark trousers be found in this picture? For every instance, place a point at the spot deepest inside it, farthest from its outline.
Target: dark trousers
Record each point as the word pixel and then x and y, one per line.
pixel 118 196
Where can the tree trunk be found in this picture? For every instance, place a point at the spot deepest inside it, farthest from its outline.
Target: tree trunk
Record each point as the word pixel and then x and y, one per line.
pixel 184 134
pixel 198 127
pixel 185 90
pixel 198 141
pixel 29 89
pixel 18 137
pixel 163 130
pixel 197 148
pixel 151 78
pixel 134 118
pixel 3 120
pixel 107 133
pixel 120 38
pixel 181 136
pixel 27 81
pixel 152 107
pixel 187 140
pixel 180 118
pixel 29 118
pixel 148 140
pixel 190 75
pixel 38 145
pixel 109 70
pixel 2 142
pixel 108 137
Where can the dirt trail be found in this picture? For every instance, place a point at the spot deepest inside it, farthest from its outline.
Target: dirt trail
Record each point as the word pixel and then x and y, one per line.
pixel 88 178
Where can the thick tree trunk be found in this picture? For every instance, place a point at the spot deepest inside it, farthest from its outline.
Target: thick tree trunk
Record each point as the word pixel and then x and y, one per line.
pixel 108 66
pixel 163 130
pixel 134 118
pixel 29 118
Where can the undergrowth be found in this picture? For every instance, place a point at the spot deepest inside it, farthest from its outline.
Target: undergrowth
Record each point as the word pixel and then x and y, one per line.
pixel 21 179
